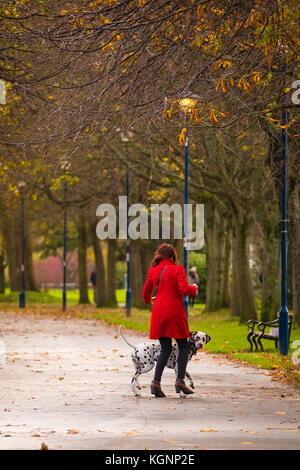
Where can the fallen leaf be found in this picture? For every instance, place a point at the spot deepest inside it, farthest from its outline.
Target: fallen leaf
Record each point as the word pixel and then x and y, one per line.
pixel 169 440
pixel 246 443
pixel 61 378
pixel 170 408
pixel 279 412
pixel 73 431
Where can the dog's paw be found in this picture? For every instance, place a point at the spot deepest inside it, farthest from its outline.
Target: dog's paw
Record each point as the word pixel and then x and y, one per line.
pixel 135 390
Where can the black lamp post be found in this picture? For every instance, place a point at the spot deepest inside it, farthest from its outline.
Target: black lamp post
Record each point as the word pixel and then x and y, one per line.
pixel 125 136
pixel 186 103
pixel 64 290
pixel 22 297
pixel 283 312
pixel 65 165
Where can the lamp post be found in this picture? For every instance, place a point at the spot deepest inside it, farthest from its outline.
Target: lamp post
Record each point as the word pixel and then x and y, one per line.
pixel 64 290
pixel 65 165
pixel 125 136
pixel 186 103
pixel 283 312
pixel 22 297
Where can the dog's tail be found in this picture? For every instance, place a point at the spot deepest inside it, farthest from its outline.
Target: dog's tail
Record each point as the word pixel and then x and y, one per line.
pixel 126 341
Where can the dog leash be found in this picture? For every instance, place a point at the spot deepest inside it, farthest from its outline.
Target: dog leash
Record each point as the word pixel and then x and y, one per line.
pixel 157 284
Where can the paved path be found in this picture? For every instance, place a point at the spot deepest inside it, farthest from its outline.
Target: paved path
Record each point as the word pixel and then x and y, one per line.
pixel 65 382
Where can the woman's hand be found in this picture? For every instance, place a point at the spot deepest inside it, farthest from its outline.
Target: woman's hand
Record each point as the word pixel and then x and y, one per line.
pixel 196 288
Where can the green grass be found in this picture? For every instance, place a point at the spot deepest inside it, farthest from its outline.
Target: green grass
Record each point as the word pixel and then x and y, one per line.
pixel 53 297
pixel 229 337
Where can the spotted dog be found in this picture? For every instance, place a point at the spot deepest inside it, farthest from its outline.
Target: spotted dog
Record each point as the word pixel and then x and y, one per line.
pixel 145 355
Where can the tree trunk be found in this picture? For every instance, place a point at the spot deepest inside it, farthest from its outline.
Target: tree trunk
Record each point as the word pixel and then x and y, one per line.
pixel 235 287
pixel 12 235
pixel 12 238
pixel 270 276
pixel 215 257
pixel 289 293
pixel 100 289
pixel 294 228
pixel 227 264
pixel 111 299
pixel 82 264
pixel 242 301
pixel 30 281
pixel 2 268
pixel 136 274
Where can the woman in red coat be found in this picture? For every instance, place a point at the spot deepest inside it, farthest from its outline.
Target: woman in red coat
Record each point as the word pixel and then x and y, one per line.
pixel 169 318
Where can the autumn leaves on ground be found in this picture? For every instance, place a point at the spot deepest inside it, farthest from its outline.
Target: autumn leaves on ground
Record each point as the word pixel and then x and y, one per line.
pixel 91 109
pixel 65 384
pixel 229 337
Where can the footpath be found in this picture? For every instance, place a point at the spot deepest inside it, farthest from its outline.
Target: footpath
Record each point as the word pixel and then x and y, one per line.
pixel 65 382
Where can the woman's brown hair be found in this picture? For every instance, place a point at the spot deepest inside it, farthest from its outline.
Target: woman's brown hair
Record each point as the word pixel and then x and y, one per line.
pixel 164 251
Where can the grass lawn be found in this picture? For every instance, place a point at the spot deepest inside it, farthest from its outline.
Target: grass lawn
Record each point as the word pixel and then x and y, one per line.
pixel 53 297
pixel 228 335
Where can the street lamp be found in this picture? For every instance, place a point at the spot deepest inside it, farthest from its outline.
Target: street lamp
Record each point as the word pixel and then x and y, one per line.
pixel 283 312
pixel 186 103
pixel 64 291
pixel 125 136
pixel 22 300
pixel 65 165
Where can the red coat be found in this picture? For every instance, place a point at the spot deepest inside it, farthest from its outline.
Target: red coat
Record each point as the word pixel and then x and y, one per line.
pixel 168 313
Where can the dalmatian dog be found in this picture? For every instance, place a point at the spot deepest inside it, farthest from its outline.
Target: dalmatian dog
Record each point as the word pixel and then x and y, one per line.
pixel 145 355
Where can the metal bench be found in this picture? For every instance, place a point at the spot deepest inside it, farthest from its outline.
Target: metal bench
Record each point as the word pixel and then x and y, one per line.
pixel 258 332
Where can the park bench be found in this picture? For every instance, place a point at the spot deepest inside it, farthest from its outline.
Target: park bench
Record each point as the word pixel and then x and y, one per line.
pixel 258 332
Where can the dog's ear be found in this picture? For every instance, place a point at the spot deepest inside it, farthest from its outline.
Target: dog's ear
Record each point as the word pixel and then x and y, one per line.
pixel 192 334
pixel 207 338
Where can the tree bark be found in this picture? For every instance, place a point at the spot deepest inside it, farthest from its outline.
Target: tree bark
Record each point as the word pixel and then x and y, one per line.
pixel 100 289
pixel 289 293
pixel 227 264
pixel 294 227
pixel 30 281
pixel 136 274
pixel 12 237
pixel 270 275
pixel 243 301
pixel 2 269
pixel 215 239
pixel 111 299
pixel 82 264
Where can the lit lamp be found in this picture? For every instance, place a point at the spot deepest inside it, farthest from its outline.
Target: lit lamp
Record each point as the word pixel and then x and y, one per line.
pixel 125 137
pixel 186 103
pixel 22 299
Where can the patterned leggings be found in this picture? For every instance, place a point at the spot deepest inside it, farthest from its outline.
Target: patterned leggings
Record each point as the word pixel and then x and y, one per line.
pixel 166 349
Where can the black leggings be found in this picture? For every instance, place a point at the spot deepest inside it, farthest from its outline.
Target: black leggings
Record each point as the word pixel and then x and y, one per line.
pixel 166 349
